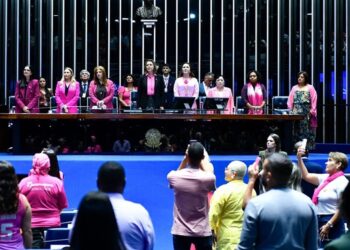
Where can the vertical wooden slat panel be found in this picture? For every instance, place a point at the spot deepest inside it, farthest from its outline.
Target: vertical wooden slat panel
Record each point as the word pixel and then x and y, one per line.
pixel 51 18
pixel 211 37
pixel 109 38
pixel 4 47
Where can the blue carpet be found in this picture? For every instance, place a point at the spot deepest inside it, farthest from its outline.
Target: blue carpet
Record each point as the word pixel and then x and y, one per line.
pixel 146 181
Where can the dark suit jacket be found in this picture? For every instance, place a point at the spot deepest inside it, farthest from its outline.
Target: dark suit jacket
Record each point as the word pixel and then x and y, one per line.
pixel 83 98
pixel 158 98
pixel 169 96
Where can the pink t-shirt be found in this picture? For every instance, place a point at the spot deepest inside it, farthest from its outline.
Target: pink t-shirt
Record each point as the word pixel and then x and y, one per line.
pixel 10 224
pixel 47 198
pixel 191 207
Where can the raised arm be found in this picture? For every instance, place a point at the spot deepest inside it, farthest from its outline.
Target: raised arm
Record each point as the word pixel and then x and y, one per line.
pixel 311 178
pixel 249 192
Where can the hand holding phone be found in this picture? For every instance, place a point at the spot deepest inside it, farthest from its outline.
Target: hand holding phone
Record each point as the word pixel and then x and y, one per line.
pixel 303 144
pixel 256 163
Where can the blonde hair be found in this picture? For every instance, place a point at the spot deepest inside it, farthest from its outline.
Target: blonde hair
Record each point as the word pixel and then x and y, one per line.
pixel 339 157
pixel 104 75
pixel 71 71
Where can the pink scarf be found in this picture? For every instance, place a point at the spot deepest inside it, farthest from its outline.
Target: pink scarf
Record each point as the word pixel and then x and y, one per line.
pixel 325 183
pixel 255 96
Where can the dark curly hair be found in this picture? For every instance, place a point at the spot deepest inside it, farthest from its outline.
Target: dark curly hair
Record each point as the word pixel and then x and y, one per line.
pixel 8 189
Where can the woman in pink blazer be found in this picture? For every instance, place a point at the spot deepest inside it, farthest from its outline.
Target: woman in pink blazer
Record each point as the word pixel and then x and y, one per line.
pixel 27 93
pixel 101 90
pixel 67 93
pixel 221 91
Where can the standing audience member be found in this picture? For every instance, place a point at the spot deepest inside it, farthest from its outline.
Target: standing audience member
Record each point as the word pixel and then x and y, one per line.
pixel 84 89
pixel 220 91
pixel 125 91
pixel 191 186
pixel 101 90
pixel 226 213
pixel 186 85
pixel 46 196
pixel 312 167
pixel 27 92
pixel 254 94
pixel 302 100
pixel 327 194
pixel 15 212
pixel 121 145
pixel 169 82
pixel 133 220
pixel 281 218
pixel 45 94
pixel 343 243
pixel 67 93
pixel 207 84
pixel 93 146
pixel 150 92
pixel 54 166
pixel 95 225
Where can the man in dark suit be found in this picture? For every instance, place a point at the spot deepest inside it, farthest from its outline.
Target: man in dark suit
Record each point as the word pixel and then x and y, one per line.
pixel 206 84
pixel 84 89
pixel 169 81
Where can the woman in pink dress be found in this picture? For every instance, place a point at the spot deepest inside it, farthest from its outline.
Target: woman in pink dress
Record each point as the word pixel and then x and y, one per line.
pixel 67 93
pixel 254 94
pixel 124 92
pixel 27 92
pixel 101 90
pixel 15 212
pixel 221 91
pixel 186 85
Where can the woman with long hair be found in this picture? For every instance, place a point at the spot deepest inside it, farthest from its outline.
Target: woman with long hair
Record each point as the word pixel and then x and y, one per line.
pixel 27 92
pixel 187 84
pixel 46 196
pixel 302 100
pixel 101 90
pixel 67 93
pixel 95 226
pixel 45 94
pixel 254 93
pixel 150 92
pixel 15 212
pixel 54 166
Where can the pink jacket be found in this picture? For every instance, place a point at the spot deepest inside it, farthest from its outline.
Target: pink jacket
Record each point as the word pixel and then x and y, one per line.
pixel 29 97
pixel 47 198
pixel 214 92
pixel 109 97
pixel 71 99
pixel 313 110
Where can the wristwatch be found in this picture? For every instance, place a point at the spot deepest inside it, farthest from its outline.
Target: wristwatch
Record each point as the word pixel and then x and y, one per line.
pixel 329 224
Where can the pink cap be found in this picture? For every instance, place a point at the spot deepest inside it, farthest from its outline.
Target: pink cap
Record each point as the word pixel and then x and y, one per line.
pixel 41 164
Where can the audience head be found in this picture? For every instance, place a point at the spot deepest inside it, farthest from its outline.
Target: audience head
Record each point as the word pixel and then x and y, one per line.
pixel 150 67
pixel 54 167
pixel 195 154
pixel 100 75
pixel 236 170
pixel 295 178
pixel 209 78
pixel 95 225
pixel 344 205
pixel 41 164
pixel 303 78
pixel 26 76
pixel 254 76
pixel 129 79
pixel 42 82
pixel 277 169
pixel 166 69
pixel 273 142
pixel 186 70
pixel 84 75
pixel 220 82
pixel 68 75
pixel 111 177
pixel 8 189
pixel 337 161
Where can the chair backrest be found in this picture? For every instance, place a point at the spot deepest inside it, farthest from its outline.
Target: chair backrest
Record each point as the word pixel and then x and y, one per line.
pixel 115 103
pixel 11 103
pixel 279 105
pixel 67 217
pixel 56 236
pixel 53 104
pixel 240 106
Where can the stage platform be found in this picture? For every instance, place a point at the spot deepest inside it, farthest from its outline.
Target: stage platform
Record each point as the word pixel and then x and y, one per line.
pixel 146 180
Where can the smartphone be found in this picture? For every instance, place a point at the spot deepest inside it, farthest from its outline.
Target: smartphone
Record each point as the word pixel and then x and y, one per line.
pixel 303 144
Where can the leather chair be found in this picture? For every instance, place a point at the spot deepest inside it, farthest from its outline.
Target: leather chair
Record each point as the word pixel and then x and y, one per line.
pixel 279 105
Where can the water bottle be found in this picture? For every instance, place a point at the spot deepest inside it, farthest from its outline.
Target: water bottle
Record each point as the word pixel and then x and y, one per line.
pixel 13 110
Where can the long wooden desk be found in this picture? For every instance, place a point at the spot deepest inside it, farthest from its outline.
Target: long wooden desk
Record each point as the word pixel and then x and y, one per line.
pixel 149 116
pixel 219 129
